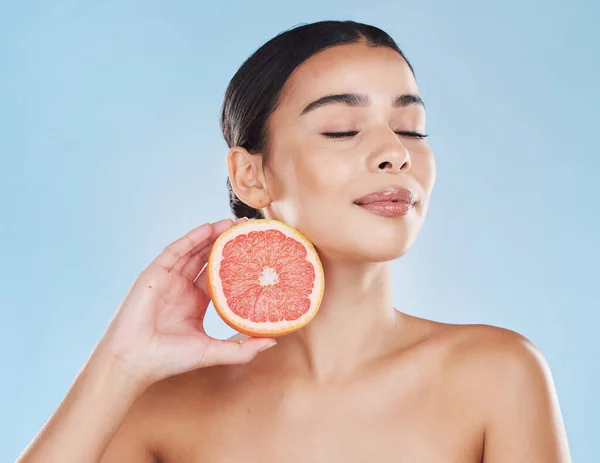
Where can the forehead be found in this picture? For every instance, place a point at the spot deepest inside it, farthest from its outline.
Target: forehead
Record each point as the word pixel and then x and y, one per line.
pixel 360 68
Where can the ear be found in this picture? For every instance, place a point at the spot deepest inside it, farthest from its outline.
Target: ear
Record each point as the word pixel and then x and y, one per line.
pixel 247 177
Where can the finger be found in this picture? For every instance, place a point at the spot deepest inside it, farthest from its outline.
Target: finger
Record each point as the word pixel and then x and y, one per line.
pixel 181 247
pixel 217 229
pixel 198 258
pixel 224 352
pixel 201 282
pixel 195 263
pixel 198 237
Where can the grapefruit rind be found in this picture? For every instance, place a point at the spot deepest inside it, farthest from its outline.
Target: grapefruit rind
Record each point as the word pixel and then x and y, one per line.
pixel 262 329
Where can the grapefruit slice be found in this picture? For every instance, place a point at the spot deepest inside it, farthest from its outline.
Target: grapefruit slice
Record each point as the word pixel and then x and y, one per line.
pixel 265 278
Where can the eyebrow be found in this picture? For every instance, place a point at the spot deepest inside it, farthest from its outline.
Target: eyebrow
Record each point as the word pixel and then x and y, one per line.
pixel 362 100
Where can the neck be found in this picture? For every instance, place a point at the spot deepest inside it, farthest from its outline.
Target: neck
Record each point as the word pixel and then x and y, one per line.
pixel 354 324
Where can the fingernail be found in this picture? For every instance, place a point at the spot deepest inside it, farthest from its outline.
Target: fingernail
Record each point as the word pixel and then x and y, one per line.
pixel 264 348
pixel 242 219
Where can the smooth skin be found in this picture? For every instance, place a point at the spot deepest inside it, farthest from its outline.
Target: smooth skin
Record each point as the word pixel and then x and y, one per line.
pixel 363 381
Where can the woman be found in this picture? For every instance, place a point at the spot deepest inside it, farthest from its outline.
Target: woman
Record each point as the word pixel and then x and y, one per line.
pixel 316 120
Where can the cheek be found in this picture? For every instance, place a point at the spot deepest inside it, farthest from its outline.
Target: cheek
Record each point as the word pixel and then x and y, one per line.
pixel 324 176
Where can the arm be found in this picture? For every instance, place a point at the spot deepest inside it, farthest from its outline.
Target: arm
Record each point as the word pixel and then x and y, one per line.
pixel 524 419
pixel 85 422
pixel 157 332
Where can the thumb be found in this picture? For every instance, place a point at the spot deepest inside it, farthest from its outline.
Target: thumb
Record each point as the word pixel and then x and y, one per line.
pixel 227 352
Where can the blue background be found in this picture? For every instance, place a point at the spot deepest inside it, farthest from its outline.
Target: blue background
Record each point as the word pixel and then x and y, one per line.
pixel 110 149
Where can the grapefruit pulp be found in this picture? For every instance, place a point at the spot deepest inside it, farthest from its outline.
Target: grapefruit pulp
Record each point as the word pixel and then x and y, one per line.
pixel 265 278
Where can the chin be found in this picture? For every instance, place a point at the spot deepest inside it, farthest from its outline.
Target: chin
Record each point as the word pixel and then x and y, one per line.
pixel 364 247
pixel 386 252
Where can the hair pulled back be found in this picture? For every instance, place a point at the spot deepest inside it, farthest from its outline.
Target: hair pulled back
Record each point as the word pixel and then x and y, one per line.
pixel 253 93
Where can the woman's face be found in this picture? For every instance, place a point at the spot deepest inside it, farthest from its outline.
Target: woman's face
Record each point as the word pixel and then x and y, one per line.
pixel 313 180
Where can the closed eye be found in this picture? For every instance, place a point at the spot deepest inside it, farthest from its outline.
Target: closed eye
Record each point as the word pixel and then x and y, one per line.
pixel 351 134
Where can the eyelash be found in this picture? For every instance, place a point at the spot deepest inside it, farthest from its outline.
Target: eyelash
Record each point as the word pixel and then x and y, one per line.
pixel 348 134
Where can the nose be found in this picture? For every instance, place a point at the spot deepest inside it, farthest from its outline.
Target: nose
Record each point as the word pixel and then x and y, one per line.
pixel 390 155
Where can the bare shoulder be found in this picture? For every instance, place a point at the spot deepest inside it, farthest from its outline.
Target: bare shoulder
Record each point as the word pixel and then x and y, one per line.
pixel 485 350
pixel 513 390
pixel 166 414
pixel 495 349
pixel 487 357
pixel 145 429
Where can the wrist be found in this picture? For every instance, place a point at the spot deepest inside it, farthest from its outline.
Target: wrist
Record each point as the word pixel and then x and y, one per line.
pixel 110 374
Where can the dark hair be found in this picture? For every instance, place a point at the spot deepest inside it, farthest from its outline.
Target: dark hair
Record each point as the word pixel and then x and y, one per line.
pixel 254 91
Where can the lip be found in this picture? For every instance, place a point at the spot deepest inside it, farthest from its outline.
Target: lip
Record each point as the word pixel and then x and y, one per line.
pixel 387 195
pixel 388 208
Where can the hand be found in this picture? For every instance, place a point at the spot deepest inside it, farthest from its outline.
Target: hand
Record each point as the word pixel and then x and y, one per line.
pixel 158 329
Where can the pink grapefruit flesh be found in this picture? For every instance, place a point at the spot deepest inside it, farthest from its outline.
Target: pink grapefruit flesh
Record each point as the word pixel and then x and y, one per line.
pixel 265 278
